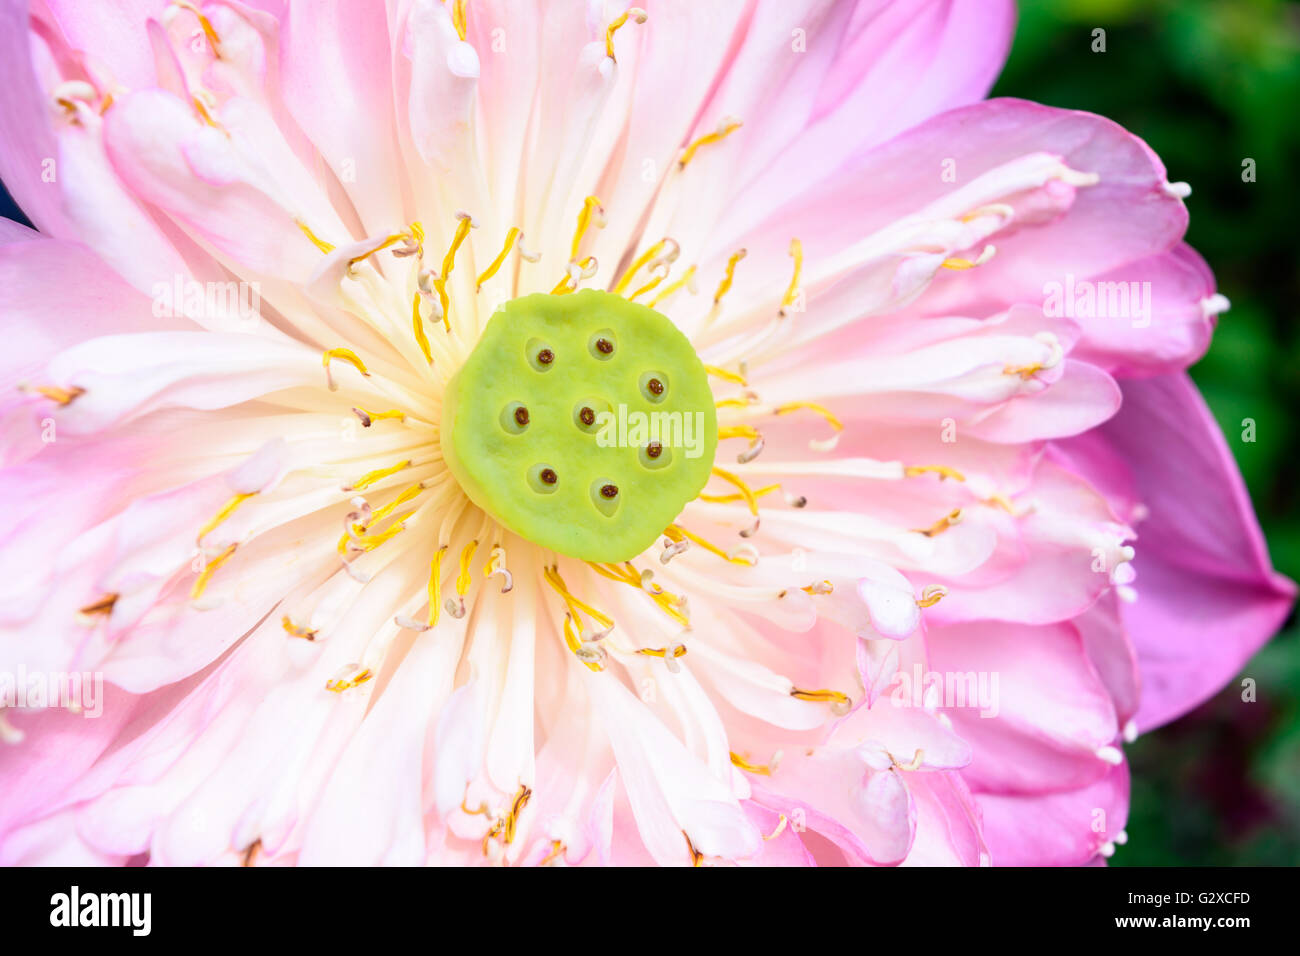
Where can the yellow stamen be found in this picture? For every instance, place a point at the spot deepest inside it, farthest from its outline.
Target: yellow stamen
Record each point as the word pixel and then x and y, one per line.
pixel 697 858
pixel 738 431
pixel 661 652
pixel 209 569
pixel 792 290
pixel 745 491
pixel 60 396
pixel 646 288
pixel 748 767
pixel 673 287
pixel 226 511
pixel 463 578
pixel 723 499
pixel 1024 371
pixel 459 17
pixel 557 850
pixel 627 574
pixel 636 13
pixel 338 685
pixel 201 108
pixel 943 524
pixel 435 587
pixel 725 129
pixel 370 477
pixel 213 40
pixel 931 595
pixel 725 375
pixel 729 275
pixel 589 205
pixel 368 418
pixel 821 587
pixel 706 545
pixel 417 326
pixel 379 515
pixel 295 630
pixel 821 696
pixel 103 606
pixel 371 541
pixel 1002 502
pixel 316 241
pixel 733 403
pixel 943 471
pixel 495 265
pixel 448 262
pixel 516 808
pixel 637 263
pixel 959 264
pixel 346 355
pixel 552 575
pixel 821 410
pixel 392 240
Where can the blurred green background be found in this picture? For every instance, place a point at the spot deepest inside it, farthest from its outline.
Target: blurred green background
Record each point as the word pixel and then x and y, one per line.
pixel 1209 83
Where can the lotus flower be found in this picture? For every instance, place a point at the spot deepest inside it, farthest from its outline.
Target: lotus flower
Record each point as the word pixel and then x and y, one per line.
pixel 962 526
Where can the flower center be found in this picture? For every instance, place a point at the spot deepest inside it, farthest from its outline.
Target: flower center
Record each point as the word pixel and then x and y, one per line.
pixel 583 423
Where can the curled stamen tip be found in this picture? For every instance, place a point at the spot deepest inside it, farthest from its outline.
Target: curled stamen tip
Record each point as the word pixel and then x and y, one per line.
pixel 931 595
pixel 672 549
pixel 524 253
pixel 1178 190
pixel 1073 177
pixel 752 452
pixel 1215 304
pixel 1111 755
pixel 751 530
pixel 462 214
pixel 746 552
pixel 796 501
pixel 590 653
pixel 410 624
pixel 8 732
pixel 454 607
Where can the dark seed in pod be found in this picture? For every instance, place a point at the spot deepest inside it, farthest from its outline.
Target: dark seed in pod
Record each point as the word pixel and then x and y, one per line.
pixel 609 491
pixel 549 476
pixel 656 387
pixel 521 415
pixel 587 416
pixel 654 449
pixel 545 357
pixel 604 346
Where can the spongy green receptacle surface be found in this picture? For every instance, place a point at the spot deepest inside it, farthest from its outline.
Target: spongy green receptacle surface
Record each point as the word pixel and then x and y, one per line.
pixel 498 461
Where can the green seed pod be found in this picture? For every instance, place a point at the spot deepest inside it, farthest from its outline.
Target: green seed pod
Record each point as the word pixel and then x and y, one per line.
pixel 581 422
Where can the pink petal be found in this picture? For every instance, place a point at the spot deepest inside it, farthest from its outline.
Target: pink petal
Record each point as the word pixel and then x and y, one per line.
pixel 1207 594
